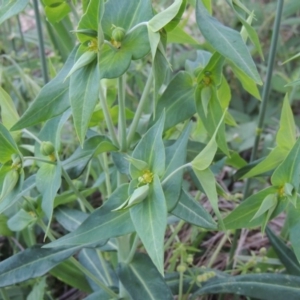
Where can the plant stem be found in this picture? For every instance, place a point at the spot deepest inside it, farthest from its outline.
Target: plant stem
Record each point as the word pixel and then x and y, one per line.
pixel 133 249
pixel 39 159
pixel 3 294
pixel 174 172
pixel 173 235
pixel 104 265
pixel 137 26
pixel 41 41
pixel 93 277
pixel 107 116
pixel 140 109
pixel 122 113
pixel 32 135
pixel 217 251
pixel 107 175
pixel 262 113
pixel 75 190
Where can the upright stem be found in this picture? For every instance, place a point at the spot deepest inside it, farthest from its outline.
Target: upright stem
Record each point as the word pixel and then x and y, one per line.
pixel 41 41
pixel 140 109
pixel 107 116
pixel 262 113
pixel 122 113
pixel 4 294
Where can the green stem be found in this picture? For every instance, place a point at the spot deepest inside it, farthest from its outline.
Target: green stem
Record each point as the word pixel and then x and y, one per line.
pixel 137 26
pixel 262 113
pixel 140 109
pixel 107 175
pixel 74 11
pixel 41 41
pixel 180 290
pixel 174 234
pixel 30 134
pixel 75 190
pixel 217 251
pixel 122 113
pixel 174 172
pixel 4 294
pixel 107 116
pixel 39 159
pixel 133 249
pixel 23 41
pixel 104 266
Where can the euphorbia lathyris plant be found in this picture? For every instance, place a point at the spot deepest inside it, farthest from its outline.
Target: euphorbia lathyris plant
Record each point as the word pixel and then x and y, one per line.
pixel 135 153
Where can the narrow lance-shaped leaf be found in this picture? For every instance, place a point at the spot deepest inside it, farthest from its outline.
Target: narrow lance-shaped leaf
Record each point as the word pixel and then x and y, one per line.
pixel 204 159
pixel 8 145
pixel 150 220
pixel 102 224
pixel 226 41
pixel 284 253
pixel 31 263
pixel 48 181
pixel 175 158
pixel 288 171
pixel 151 150
pixel 11 8
pixel 140 277
pixel 191 211
pixel 163 18
pixel 52 100
pixel 260 286
pixel 84 94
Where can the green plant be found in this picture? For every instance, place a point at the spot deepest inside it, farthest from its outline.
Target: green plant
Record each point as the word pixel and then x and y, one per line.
pixel 136 130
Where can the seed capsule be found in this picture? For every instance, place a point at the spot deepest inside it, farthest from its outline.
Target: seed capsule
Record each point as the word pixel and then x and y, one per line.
pixel 118 34
pixel 47 148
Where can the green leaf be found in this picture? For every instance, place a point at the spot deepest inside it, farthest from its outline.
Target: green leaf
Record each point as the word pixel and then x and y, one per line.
pixel 10 8
pixel 284 253
pixel 176 20
pixel 260 286
pixel 114 61
pixel 248 83
pixel 38 290
pixel 48 182
pixel 20 190
pixel 179 36
pixel 204 159
pixel 52 100
pixel 275 157
pixel 293 219
pixel 177 100
pixel 92 260
pixel 166 16
pixel 267 204
pixel 191 211
pixel 31 263
pixel 102 224
pixel 10 181
pixel 68 273
pixel 85 59
pixel 151 150
pixel 150 221
pixel 241 216
pixel 175 157
pixel 8 145
pixel 250 30
pixel 55 14
pixel 98 295
pixel 21 220
pixel 288 171
pixel 226 41
pixel 69 218
pixel 208 182
pixel 4 230
pixel 286 136
pixel 140 277
pixel 9 114
pixel 84 94
pixel 211 121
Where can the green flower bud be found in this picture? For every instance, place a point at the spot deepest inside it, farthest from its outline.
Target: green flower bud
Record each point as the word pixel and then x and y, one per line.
pixel 181 268
pixel 47 148
pixel 118 34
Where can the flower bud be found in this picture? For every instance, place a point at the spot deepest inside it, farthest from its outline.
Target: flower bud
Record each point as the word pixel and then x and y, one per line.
pixel 118 34
pixel 47 148
pixel 181 268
